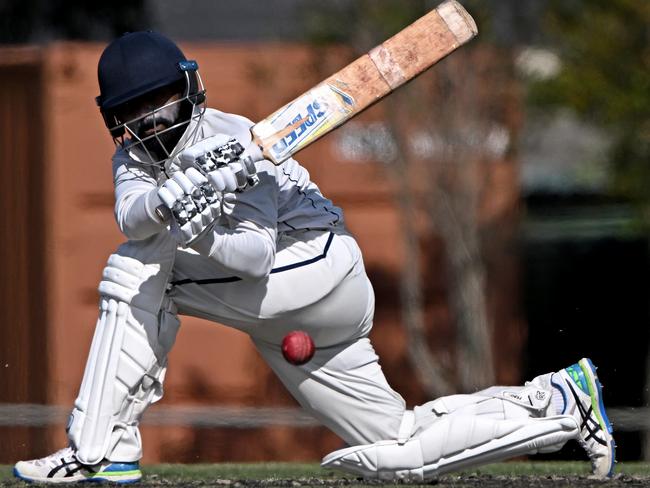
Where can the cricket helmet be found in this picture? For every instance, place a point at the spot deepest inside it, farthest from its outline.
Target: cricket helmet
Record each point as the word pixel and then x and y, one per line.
pixel 149 93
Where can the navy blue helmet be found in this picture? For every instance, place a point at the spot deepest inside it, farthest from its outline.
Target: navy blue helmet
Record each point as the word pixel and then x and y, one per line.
pixel 149 92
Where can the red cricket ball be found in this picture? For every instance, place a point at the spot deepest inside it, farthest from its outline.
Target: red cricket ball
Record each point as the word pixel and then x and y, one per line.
pixel 297 347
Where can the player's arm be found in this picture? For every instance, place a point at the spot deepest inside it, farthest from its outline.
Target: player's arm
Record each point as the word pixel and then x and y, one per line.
pixel 245 244
pixel 136 200
pixel 224 206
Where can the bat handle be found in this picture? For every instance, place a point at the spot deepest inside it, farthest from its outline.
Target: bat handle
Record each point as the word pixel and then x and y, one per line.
pixel 253 151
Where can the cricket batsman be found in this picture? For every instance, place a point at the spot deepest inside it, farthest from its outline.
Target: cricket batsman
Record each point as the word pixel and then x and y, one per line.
pixel 216 231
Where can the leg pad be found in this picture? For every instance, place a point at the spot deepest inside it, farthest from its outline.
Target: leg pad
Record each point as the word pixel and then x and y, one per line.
pixel 126 365
pixel 454 442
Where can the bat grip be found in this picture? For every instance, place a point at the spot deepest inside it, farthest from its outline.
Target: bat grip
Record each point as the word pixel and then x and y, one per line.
pixel 253 151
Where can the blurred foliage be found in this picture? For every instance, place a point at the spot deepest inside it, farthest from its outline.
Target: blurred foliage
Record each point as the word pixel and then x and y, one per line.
pixel 365 23
pixel 604 46
pixel 29 21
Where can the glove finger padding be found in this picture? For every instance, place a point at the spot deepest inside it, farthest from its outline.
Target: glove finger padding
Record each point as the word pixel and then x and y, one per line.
pixel 193 202
pixel 196 177
pixel 217 181
pixel 241 174
pixel 201 148
pixel 175 189
pixel 167 197
pixel 175 198
pixel 229 179
pixel 217 155
pixel 210 213
pixel 185 183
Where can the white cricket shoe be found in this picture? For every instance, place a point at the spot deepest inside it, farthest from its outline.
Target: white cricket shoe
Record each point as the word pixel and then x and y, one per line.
pixel 583 398
pixel 63 467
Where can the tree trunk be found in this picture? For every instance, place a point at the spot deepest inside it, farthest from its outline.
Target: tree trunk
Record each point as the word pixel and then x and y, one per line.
pixel 466 291
pixel 431 374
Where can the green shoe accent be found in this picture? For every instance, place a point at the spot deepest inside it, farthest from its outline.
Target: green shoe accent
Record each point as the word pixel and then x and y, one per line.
pixel 594 398
pixel 578 376
pixel 108 474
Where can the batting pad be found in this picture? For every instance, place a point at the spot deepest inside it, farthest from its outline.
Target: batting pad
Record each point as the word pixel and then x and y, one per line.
pixel 126 364
pixel 454 442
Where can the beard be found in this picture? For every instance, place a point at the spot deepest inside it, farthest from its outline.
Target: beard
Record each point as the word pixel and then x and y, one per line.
pixel 160 130
pixel 161 144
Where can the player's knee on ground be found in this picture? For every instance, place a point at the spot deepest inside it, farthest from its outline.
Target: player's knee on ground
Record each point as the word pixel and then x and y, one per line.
pixel 460 431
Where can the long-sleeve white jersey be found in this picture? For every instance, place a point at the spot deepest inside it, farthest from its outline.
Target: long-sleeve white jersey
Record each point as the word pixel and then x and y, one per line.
pixel 243 241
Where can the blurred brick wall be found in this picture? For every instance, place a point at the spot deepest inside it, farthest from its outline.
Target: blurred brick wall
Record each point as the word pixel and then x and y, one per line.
pixel 23 310
pixel 74 232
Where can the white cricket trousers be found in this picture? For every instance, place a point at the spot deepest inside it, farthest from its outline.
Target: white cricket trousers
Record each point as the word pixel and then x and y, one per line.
pixel 319 285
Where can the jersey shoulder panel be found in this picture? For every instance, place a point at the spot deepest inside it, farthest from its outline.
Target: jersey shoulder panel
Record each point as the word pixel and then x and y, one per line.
pixel 217 122
pixel 125 168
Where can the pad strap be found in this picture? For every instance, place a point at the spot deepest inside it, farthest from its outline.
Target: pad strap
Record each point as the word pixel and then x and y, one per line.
pixel 406 427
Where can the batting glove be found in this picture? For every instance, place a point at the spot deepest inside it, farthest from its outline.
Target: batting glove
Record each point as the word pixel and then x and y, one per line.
pixel 222 160
pixel 193 203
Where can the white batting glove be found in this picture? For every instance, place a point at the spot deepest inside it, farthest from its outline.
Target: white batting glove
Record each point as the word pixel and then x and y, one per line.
pixel 224 163
pixel 193 203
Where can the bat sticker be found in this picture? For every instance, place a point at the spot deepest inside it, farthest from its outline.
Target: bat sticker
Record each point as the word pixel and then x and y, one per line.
pixel 364 82
pixel 304 120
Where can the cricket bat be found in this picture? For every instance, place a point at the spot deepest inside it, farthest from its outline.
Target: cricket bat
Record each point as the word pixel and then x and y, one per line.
pixel 363 82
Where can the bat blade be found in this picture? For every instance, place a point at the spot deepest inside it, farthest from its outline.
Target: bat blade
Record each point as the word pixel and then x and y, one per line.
pixel 363 82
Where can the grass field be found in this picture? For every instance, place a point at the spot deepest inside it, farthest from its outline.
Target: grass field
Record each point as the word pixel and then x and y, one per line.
pixel 512 474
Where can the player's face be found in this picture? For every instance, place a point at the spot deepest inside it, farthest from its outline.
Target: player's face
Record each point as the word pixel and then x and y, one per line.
pixel 155 121
pixel 152 112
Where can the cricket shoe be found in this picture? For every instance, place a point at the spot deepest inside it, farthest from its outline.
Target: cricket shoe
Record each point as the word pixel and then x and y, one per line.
pixel 583 398
pixel 63 467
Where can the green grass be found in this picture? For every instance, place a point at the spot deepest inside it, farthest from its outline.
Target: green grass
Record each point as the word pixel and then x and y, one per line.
pixel 176 472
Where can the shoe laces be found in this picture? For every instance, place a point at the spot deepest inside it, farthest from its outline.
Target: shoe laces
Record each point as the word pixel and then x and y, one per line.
pixel 54 458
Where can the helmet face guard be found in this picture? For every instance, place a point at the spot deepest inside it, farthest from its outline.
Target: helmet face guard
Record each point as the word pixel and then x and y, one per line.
pixel 149 95
pixel 151 126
